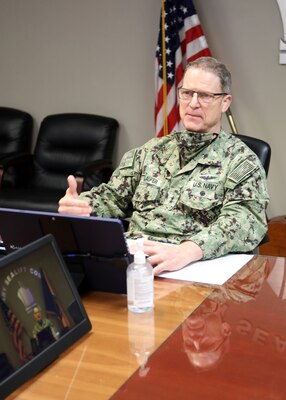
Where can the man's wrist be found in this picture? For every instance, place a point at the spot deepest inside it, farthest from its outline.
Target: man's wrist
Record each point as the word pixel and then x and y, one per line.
pixel 193 250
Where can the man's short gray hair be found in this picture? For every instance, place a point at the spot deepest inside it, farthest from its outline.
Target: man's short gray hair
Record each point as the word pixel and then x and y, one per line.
pixel 216 67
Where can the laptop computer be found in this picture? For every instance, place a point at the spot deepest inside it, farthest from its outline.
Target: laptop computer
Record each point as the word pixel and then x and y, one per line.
pixel 41 313
pixel 95 249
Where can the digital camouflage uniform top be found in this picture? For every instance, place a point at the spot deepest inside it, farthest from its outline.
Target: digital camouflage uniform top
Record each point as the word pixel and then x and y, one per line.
pixel 42 324
pixel 189 186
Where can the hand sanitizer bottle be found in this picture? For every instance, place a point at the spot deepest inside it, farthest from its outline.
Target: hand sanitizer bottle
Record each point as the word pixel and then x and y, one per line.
pixel 140 279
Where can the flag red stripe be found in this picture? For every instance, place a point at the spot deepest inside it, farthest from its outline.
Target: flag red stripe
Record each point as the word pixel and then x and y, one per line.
pixel 16 329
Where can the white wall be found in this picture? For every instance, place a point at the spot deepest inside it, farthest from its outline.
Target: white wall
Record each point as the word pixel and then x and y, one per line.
pixel 98 56
pixel 81 56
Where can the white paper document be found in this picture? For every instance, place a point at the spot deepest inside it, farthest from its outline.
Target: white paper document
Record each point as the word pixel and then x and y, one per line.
pixel 213 272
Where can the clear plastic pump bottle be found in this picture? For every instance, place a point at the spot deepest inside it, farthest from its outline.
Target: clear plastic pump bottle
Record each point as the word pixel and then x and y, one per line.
pixel 140 284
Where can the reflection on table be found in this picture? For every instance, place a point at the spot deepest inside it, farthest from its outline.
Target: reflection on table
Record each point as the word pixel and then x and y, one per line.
pixel 233 346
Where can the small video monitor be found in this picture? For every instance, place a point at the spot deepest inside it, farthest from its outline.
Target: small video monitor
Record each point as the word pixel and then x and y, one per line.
pixel 41 313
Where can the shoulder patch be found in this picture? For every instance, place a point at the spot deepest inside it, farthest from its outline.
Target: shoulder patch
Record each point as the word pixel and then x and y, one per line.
pixel 242 171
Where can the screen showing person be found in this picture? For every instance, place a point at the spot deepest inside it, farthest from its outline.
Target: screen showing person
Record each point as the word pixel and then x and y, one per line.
pixel 40 311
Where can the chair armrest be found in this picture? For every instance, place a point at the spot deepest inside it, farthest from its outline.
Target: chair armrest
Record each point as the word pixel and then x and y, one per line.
pixel 16 160
pixel 103 166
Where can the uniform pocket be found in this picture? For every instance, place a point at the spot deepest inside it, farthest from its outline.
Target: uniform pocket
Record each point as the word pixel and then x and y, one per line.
pixel 146 197
pixel 201 199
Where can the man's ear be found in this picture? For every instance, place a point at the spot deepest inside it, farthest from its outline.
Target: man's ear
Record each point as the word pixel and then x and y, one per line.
pixel 226 329
pixel 226 102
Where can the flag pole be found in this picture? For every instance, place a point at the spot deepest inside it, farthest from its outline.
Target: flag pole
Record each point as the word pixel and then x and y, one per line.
pixel 231 121
pixel 165 95
pixel 63 316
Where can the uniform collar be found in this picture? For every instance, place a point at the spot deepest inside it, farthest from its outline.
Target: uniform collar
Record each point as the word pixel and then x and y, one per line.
pixel 200 150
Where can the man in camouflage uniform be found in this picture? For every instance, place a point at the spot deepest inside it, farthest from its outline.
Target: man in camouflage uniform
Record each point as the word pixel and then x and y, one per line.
pixel 202 189
pixel 42 323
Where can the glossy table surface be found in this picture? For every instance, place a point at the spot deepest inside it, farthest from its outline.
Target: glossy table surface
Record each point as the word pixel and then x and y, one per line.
pixel 198 343
pixel 232 347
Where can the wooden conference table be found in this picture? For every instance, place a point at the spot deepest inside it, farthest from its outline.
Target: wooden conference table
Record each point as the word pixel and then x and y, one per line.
pixel 199 343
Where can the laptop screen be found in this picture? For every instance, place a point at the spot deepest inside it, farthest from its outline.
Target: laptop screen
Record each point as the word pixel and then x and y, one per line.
pixel 41 313
pixel 95 249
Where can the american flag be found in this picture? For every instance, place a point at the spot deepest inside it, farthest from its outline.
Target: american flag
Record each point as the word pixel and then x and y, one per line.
pixel 181 41
pixel 15 328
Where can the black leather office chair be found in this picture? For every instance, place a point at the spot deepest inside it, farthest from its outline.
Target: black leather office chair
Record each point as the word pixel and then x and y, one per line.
pixel 263 151
pixel 70 143
pixel 16 131
pixel 260 148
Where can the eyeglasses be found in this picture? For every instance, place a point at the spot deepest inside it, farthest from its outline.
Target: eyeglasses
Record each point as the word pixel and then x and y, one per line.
pixel 203 97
